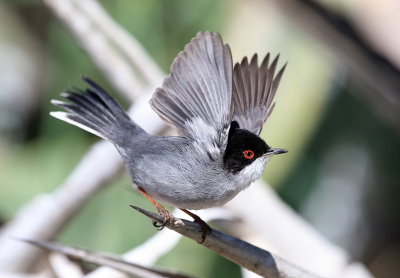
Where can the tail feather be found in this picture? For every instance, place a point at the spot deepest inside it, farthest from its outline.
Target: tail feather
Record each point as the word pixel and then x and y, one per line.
pixel 94 110
pixel 72 119
pixel 113 107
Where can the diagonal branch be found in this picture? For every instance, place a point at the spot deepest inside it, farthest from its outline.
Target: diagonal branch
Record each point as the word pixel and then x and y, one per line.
pixel 99 46
pixel 96 258
pixel 129 46
pixel 236 250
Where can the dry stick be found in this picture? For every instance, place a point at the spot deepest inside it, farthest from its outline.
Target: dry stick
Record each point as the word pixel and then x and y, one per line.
pixel 105 260
pixel 98 47
pixel 308 248
pixel 149 251
pixel 238 251
pixel 128 45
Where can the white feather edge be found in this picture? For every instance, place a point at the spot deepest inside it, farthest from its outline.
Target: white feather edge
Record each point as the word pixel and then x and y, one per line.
pixel 64 117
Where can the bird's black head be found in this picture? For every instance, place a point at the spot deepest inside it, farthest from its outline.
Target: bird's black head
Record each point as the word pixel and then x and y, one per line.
pixel 243 148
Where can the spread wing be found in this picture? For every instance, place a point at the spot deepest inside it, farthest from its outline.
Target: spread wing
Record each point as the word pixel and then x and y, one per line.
pixel 254 88
pixel 196 97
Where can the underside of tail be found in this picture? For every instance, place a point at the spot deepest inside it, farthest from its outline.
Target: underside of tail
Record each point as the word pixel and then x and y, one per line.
pixel 95 111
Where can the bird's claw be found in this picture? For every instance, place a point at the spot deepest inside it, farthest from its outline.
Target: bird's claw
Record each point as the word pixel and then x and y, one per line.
pixel 167 217
pixel 205 229
pixel 159 226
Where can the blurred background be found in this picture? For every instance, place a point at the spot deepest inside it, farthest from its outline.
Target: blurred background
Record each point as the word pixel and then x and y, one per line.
pixel 337 112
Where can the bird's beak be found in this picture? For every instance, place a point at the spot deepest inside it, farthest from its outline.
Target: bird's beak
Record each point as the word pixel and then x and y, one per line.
pixel 273 151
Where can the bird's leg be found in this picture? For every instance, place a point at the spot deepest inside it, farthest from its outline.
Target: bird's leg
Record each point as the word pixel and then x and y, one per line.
pixel 161 210
pixel 205 229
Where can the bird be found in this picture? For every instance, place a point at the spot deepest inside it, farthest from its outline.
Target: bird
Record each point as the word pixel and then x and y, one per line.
pixel 218 111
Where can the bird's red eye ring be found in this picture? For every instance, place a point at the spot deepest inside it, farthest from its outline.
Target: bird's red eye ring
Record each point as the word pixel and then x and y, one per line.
pixel 248 154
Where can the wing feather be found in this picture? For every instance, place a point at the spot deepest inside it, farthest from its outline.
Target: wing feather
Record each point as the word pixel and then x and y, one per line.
pixel 254 88
pixel 199 88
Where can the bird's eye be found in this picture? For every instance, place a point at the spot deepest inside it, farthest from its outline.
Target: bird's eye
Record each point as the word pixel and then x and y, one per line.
pixel 248 154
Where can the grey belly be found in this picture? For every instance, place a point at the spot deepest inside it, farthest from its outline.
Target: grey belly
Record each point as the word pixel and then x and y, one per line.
pixel 185 186
pixel 190 198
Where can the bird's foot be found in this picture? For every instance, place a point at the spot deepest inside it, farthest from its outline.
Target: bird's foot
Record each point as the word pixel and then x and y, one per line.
pixel 167 216
pixel 205 229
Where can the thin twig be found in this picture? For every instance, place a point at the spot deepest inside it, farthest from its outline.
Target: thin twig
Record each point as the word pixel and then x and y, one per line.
pixel 105 260
pixel 238 251
pixel 161 243
pixel 129 46
pixel 98 47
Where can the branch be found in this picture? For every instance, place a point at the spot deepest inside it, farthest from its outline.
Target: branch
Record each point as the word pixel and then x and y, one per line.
pixel 162 242
pixel 128 45
pixel 98 46
pixel 238 251
pixel 105 260
pixel 308 248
